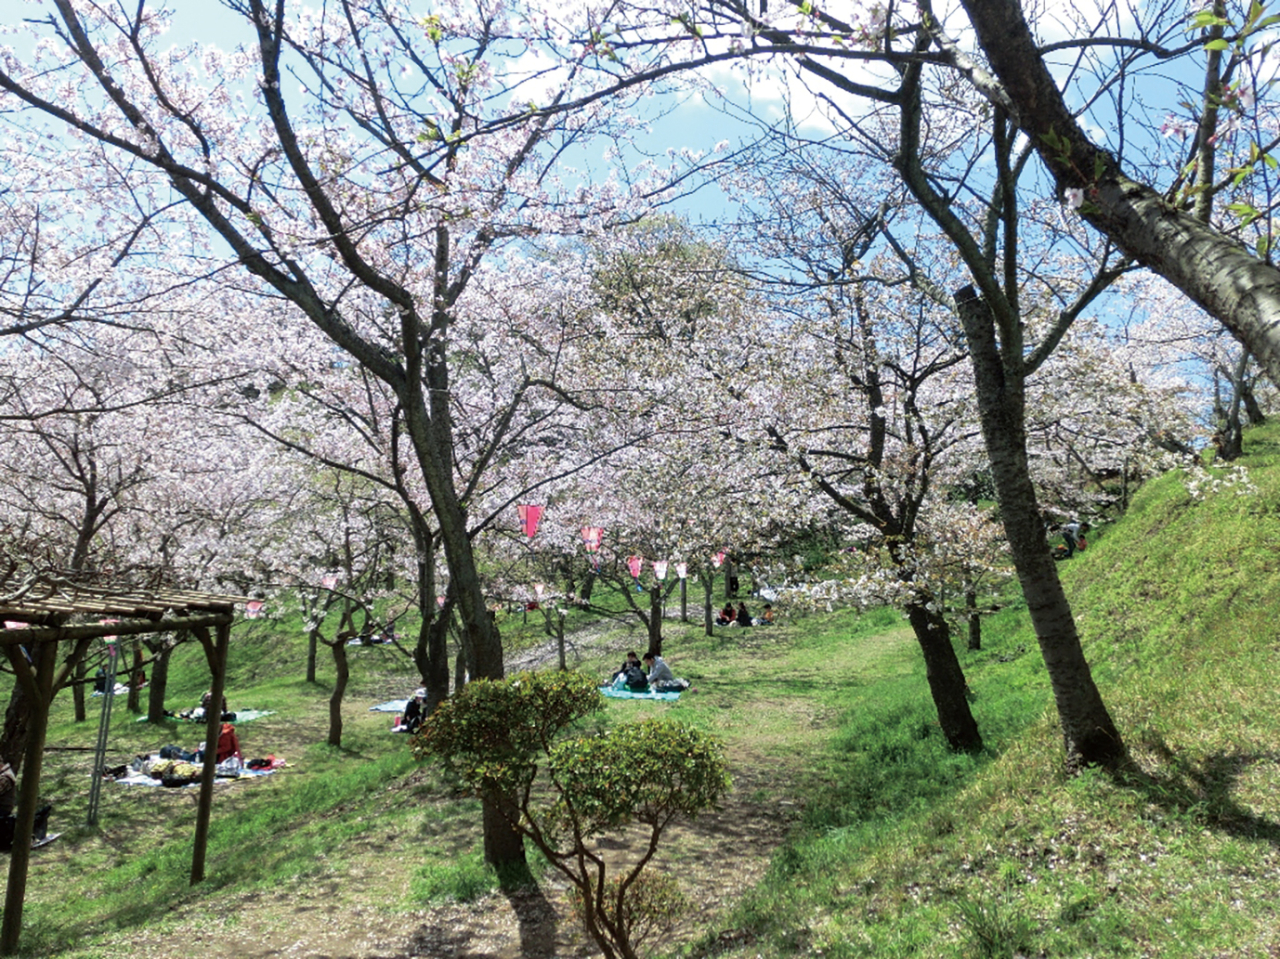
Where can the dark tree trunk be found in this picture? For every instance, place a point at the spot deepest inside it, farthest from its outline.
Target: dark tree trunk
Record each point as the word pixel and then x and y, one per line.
pixel 1089 734
pixel 339 648
pixel 1251 408
pixel 159 683
pixel 459 671
pixel 134 701
pixel 655 619
pixel 311 656
pixel 559 629
pixel 503 845
pixel 431 655
pixel 975 620
pixel 77 693
pixel 13 742
pixel 44 659
pixel 946 679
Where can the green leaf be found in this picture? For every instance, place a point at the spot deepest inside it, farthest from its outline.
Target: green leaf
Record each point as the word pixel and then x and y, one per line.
pixel 1218 44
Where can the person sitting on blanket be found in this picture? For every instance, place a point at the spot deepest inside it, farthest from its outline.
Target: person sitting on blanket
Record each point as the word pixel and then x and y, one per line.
pixel 661 679
pixel 414 713
pixel 631 662
pixel 727 615
pixel 631 677
pixel 744 618
pixel 199 712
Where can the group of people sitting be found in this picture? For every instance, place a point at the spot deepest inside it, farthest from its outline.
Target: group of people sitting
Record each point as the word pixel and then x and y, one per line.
pixel 741 617
pixel 658 678
pixel 198 713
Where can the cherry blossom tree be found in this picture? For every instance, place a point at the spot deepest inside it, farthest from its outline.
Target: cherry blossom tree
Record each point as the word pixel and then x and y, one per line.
pixel 339 156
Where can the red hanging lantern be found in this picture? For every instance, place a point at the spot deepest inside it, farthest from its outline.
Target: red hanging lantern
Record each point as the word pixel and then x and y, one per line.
pixel 529 517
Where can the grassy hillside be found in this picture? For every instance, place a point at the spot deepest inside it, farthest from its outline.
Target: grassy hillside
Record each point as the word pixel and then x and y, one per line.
pixel 1180 857
pixel 852 831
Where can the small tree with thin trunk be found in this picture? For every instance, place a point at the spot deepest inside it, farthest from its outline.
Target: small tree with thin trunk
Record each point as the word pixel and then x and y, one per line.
pixel 506 740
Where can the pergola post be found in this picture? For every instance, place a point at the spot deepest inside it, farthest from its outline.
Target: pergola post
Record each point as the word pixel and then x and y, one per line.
pixel 37 677
pixel 216 653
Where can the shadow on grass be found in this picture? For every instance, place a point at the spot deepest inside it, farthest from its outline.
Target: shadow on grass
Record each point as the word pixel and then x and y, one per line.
pixel 1203 790
pixel 535 914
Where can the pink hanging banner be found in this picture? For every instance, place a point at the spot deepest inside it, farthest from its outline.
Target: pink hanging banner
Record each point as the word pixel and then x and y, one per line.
pixel 538 589
pixel 253 609
pixel 440 601
pixel 635 564
pixel 682 570
pixel 718 559
pixel 329 581
pixel 9 624
pixel 592 536
pixel 660 568
pixel 529 517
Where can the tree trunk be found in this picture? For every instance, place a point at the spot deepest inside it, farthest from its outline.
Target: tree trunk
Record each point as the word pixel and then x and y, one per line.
pixel 311 656
pixel 655 619
pixel 159 683
pixel 44 660
pixel 13 742
pixel 459 671
pixel 975 620
pixel 339 648
pixel 1089 734
pixel 431 654
pixel 77 693
pixel 503 845
pixel 946 679
pixel 559 626
pixel 134 701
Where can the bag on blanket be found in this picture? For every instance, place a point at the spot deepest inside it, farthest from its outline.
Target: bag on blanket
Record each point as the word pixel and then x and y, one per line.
pixel 636 680
pixel 671 686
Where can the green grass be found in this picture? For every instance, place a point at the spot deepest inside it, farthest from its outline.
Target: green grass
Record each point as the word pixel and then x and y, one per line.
pixel 896 847
pixel 911 852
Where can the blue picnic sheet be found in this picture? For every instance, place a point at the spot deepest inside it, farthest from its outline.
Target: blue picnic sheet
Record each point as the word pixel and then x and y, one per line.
pixel 390 706
pixel 613 693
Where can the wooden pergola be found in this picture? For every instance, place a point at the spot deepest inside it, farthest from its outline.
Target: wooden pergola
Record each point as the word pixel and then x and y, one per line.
pixel 62 613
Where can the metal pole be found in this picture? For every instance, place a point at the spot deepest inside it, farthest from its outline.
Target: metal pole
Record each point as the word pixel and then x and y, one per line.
pixel 104 732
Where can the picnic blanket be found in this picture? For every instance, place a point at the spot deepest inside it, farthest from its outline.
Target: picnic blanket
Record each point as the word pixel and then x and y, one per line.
pixel 613 693
pixel 134 777
pixel 242 716
pixel 390 706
